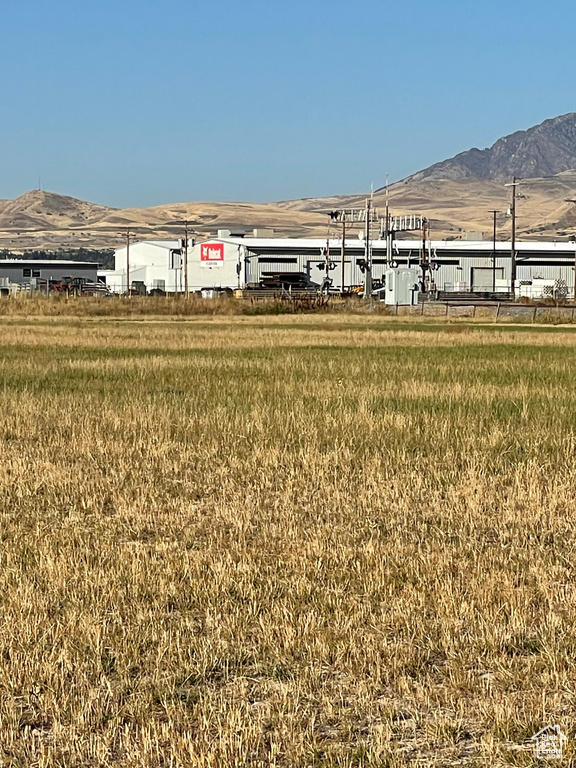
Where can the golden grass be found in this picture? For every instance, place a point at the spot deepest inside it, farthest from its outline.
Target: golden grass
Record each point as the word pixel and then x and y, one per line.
pixel 39 305
pixel 175 306
pixel 304 541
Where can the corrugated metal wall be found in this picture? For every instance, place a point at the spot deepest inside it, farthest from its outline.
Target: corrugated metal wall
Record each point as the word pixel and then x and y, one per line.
pixel 24 274
pixel 457 271
pixel 530 272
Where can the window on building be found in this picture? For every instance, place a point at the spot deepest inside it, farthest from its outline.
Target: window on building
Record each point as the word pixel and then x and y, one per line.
pixel 27 272
pixel 35 273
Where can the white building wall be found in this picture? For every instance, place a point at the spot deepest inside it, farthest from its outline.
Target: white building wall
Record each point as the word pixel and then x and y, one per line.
pixel 214 264
pixel 211 264
pixel 149 262
pixel 229 263
pixel 150 253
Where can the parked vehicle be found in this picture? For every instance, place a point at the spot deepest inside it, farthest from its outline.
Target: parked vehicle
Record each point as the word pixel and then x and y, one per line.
pixel 79 286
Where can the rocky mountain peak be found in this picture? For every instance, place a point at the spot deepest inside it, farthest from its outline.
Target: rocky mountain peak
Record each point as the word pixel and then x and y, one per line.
pixel 544 150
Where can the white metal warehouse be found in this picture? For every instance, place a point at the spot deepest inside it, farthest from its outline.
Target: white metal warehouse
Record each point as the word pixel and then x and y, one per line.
pixel 234 262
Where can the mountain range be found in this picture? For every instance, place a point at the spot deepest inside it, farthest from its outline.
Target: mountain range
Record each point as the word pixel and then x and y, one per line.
pixel 457 195
pixel 544 150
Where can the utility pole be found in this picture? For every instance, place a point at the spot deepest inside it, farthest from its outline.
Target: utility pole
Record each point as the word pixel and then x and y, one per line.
pixel 354 216
pixel 128 263
pixel 494 213
pixel 568 200
pixel 387 206
pixel 343 255
pixel 183 252
pixel 512 212
pixel 186 290
pixel 513 242
pixel 368 274
pixel 424 261
pixel 387 227
pixel 514 184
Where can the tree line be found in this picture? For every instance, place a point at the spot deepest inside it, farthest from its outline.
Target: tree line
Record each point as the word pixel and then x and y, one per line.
pixel 102 256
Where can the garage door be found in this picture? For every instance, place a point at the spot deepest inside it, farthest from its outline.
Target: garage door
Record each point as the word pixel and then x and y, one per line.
pixel 482 278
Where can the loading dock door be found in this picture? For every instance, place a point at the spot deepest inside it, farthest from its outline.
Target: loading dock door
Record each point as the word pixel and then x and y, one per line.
pixel 482 278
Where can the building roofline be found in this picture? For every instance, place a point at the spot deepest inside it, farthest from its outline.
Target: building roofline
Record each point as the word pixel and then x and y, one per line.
pixel 472 245
pixel 165 244
pixel 48 262
pixel 319 244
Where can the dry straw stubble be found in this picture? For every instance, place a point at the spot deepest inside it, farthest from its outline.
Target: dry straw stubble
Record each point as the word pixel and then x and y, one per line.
pixel 323 542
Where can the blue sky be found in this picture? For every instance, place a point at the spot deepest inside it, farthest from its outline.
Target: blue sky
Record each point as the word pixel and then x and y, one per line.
pixel 141 102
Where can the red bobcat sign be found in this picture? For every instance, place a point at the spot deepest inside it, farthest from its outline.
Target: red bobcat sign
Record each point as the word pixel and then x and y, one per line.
pixel 212 252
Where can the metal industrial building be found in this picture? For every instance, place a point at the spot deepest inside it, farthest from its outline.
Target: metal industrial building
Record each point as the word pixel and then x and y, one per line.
pixel 234 262
pixel 160 265
pixel 27 272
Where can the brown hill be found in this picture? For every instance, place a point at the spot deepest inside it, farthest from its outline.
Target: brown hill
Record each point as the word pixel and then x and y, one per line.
pixel 40 210
pixel 455 207
pixel 457 195
pixel 40 219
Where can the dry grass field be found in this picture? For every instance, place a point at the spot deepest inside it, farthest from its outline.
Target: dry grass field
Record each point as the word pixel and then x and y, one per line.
pixel 285 541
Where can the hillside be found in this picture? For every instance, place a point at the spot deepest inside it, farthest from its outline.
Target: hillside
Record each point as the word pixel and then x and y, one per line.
pixel 544 150
pixel 38 209
pixel 455 207
pixel 457 195
pixel 41 219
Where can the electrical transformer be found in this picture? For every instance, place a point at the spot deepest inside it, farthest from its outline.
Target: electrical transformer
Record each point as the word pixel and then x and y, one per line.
pixel 402 286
